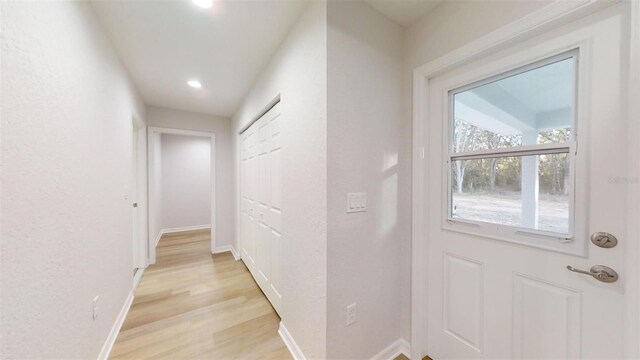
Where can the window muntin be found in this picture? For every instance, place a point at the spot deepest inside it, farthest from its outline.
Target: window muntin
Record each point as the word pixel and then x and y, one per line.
pixel 510 149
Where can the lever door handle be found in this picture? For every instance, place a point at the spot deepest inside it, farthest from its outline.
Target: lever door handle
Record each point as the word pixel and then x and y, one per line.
pixel 599 272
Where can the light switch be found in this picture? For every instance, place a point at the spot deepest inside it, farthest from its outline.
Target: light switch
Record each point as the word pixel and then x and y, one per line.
pixel 356 202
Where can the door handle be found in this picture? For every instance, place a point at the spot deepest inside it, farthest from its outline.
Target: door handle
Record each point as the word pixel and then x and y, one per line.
pixel 599 272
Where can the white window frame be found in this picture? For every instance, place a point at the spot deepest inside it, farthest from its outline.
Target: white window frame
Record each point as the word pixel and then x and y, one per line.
pixel 502 231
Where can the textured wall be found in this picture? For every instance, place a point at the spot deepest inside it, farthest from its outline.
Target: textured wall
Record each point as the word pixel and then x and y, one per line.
pixel 366 153
pixel 67 108
pixel 186 181
pixel 455 23
pixel 177 119
pixel 298 73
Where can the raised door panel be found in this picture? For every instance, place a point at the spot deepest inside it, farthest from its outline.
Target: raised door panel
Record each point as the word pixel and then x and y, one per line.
pixel 250 191
pixel 275 175
pixel 262 253
pixel 538 304
pixel 463 300
pixel 244 199
pixel 275 210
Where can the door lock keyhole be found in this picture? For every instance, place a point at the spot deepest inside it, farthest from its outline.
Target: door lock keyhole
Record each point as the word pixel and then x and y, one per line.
pixel 604 240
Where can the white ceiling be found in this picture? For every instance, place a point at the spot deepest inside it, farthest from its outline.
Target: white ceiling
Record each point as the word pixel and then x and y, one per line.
pixel 543 89
pixel 537 99
pixel 163 44
pixel 404 12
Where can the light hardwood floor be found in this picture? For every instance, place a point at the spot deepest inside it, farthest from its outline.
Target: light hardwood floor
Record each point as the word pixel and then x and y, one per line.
pixel 195 305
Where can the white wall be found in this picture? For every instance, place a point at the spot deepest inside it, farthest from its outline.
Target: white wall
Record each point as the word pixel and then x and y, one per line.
pixel 366 153
pixel 185 181
pixel 298 72
pixel 67 106
pixel 455 23
pixel 221 127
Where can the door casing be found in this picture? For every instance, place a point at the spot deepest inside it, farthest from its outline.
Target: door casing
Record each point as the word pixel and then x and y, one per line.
pixel 527 27
pixel 151 140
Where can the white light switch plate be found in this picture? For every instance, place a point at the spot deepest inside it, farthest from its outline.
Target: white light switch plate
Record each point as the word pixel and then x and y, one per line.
pixel 356 202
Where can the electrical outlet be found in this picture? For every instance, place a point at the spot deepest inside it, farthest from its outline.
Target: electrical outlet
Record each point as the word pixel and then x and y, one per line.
pixel 351 314
pixel 95 307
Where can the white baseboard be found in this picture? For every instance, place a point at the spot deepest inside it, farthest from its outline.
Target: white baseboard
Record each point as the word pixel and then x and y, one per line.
pixel 398 347
pixel 137 278
pixel 185 228
pixel 294 349
pixel 157 240
pixel 236 255
pixel 225 248
pixel 115 329
pixel 179 229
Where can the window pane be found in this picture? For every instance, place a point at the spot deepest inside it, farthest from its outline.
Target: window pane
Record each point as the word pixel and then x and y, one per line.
pixel 525 191
pixel 531 107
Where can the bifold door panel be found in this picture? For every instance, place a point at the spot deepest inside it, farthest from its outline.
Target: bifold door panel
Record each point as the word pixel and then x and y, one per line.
pixel 260 194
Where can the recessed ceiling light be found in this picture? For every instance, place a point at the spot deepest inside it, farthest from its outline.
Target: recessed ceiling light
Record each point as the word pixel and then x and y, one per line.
pixel 205 4
pixel 194 84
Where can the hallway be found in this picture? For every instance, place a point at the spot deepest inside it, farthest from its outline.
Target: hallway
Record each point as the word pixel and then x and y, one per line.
pixel 319 179
pixel 192 304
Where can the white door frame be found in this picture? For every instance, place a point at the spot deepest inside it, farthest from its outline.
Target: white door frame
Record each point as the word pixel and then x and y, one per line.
pixel 526 27
pixel 151 131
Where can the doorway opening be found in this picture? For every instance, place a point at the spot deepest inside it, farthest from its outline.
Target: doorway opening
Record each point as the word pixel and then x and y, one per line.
pixel 181 184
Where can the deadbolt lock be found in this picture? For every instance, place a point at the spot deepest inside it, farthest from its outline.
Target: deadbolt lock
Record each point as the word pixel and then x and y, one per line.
pixel 604 240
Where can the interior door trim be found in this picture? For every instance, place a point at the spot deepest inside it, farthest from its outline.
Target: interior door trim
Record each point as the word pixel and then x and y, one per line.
pixel 275 101
pixel 151 141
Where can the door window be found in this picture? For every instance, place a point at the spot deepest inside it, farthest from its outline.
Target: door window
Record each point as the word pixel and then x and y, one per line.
pixel 511 149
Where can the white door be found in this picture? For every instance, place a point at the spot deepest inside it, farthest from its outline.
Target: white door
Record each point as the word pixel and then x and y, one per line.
pixel 262 249
pixel 260 212
pixel 135 239
pixel 248 195
pixel 269 189
pixel 524 149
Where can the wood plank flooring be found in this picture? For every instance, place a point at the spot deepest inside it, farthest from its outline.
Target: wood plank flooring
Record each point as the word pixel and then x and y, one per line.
pixel 195 305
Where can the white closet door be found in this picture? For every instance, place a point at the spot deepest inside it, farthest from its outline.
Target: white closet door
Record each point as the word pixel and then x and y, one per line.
pixel 274 211
pixel 260 212
pixel 262 249
pixel 248 197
